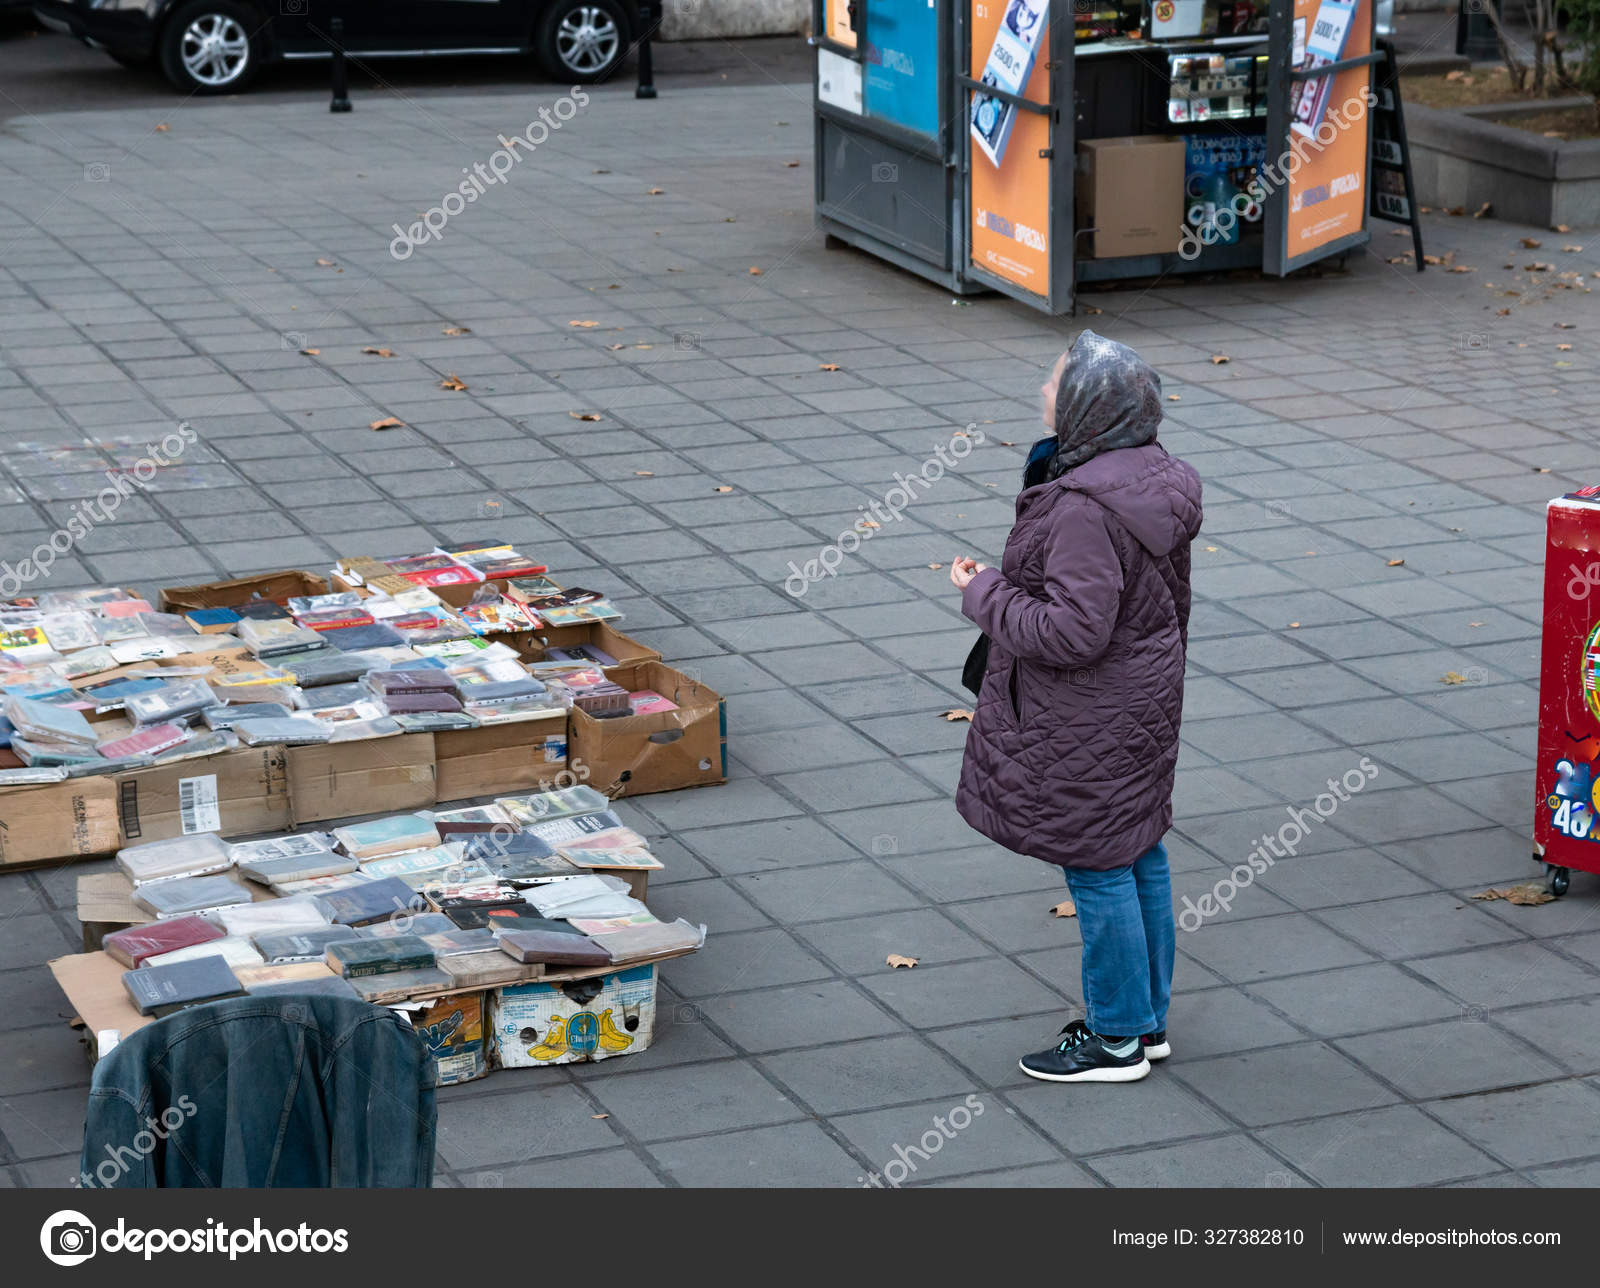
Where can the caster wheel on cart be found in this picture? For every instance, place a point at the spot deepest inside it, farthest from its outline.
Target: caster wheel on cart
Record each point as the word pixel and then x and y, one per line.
pixel 1560 881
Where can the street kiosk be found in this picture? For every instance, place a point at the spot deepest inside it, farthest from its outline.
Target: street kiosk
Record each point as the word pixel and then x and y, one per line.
pixel 954 140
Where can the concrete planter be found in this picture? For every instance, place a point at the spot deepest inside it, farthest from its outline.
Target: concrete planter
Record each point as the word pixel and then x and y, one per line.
pixel 1461 158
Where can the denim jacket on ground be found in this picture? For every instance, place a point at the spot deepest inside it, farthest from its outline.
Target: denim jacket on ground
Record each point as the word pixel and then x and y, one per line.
pixel 264 1092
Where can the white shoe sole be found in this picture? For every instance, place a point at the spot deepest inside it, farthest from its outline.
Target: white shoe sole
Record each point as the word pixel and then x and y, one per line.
pixel 1158 1052
pixel 1123 1073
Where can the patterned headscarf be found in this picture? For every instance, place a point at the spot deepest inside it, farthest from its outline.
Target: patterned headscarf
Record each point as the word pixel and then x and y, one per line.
pixel 1109 397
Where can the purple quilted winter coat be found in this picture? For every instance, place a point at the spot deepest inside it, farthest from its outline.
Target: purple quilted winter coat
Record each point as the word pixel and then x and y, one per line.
pixel 1074 737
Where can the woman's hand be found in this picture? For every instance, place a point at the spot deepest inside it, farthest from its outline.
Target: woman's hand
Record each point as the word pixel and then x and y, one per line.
pixel 963 570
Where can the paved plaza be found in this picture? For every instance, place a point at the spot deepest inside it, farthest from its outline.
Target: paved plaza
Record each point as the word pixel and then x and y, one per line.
pixel 1376 447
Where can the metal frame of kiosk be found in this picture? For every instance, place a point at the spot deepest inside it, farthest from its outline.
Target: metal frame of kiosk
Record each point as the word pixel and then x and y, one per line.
pixel 900 173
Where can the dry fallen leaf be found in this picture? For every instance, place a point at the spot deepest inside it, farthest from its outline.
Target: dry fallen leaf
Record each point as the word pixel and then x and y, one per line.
pixel 655 192
pixel 644 474
pixel 324 263
pixel 1294 626
pixel 722 487
pixel 1174 397
pixel 754 271
pixel 1483 210
pixel 1525 896
pixel 791 165
pixel 311 353
pixel 1563 347
pixel 388 422
pixel 1559 228
pixel 1461 268
pixel 1066 908
pixel 1541 469
pixel 583 324
pixel 936 567
pixel 162 128
pixel 868 523
pixel 1572 250
pixel 898 959
pixel 1566 326
pixel 1397 563
pixel 584 415
pixel 615 347
pixel 457 330
pixel 1452 677
pixel 1217 359
pixel 377 352
pixel 1089 308
pixel 828 366
pixel 453 383
pixel 956 713
pixel 1432 259
pixel 1539 267
pixel 1531 243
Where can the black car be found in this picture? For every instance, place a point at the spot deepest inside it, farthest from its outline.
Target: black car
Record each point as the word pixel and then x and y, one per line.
pixel 218 46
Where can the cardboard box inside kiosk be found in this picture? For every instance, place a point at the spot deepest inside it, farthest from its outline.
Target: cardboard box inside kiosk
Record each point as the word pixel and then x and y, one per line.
pixel 660 752
pixel 276 586
pixel 1130 190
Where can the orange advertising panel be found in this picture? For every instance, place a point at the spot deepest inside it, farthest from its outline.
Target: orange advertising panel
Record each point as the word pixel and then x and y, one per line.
pixel 1010 233
pixel 1328 125
pixel 839 29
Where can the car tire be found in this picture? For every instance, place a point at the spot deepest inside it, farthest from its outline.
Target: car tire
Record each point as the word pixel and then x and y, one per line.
pixel 212 46
pixel 582 41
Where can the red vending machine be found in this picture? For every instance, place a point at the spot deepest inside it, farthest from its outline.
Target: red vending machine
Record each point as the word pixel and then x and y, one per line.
pixel 1568 774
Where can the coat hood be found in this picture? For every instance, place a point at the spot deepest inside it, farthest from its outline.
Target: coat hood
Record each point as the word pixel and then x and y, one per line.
pixel 1154 495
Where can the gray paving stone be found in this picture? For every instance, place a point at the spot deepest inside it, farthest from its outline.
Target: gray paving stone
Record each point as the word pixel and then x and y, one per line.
pixel 519 1125
pixel 693 1100
pixel 847 1076
pixel 1284 1083
pixel 1358 1149
pixel 796 1154
pixel 1092 1119
pixel 906 1145
pixel 1527 1126
pixel 1221 1162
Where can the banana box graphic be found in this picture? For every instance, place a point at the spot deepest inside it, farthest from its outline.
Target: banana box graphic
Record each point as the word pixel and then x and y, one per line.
pixel 563 1022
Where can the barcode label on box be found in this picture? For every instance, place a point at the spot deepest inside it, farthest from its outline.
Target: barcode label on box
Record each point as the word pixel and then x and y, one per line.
pixel 197 804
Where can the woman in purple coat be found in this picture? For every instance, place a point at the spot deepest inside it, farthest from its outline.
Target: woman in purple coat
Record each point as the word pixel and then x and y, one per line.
pixel 1074 736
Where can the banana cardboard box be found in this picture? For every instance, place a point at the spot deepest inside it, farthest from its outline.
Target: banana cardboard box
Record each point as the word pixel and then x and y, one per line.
pixel 566 1021
pixel 453 1029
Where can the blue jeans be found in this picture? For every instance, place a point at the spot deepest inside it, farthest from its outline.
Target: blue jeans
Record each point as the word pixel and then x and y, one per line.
pixel 1125 915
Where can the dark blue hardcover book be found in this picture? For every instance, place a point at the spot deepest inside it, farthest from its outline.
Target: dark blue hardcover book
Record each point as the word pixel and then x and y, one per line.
pixel 359 905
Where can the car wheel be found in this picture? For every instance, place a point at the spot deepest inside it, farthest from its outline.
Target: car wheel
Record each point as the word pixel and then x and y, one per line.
pixel 582 41
pixel 211 47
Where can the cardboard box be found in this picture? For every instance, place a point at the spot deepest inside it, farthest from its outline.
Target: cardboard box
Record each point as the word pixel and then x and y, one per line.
pixel 77 816
pixel 1130 191
pixel 276 586
pixel 371 776
pixel 565 1022
pixel 453 1029
pixel 499 760
pixel 531 645
pixel 232 792
pixel 639 754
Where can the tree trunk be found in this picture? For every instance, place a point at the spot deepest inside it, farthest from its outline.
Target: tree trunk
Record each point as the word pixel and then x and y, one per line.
pixel 1516 69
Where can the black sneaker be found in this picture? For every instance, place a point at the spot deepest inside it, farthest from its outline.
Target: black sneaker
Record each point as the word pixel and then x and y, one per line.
pixel 1156 1046
pixel 1084 1056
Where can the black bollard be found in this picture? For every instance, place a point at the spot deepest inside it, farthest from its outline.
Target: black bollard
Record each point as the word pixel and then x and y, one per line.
pixel 647 20
pixel 341 81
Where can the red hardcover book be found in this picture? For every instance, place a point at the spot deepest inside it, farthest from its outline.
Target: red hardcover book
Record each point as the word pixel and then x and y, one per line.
pixel 132 946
